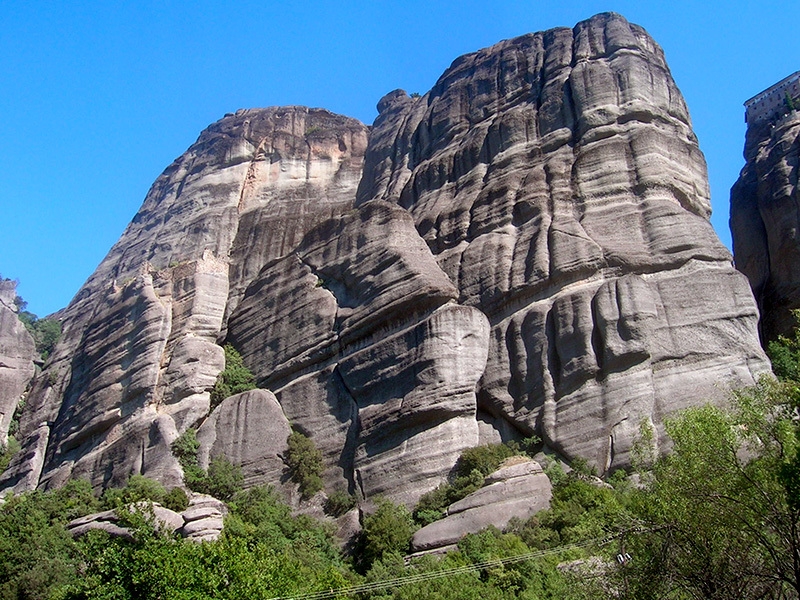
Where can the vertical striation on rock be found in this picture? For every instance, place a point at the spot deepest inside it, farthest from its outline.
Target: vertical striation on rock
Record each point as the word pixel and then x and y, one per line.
pixel 139 351
pixel 17 355
pixel 765 220
pixel 523 250
pixel 557 181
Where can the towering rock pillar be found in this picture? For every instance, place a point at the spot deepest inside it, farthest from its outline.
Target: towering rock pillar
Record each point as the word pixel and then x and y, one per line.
pixel 17 353
pixel 557 180
pixel 523 250
pixel 765 219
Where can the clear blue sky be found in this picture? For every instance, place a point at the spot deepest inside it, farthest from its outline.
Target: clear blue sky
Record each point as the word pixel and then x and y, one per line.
pixel 99 97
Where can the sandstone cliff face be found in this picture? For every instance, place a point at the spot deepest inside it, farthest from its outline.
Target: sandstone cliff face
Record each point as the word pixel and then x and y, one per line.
pixel 138 355
pixel 764 221
pixel 17 353
pixel 527 251
pixel 558 183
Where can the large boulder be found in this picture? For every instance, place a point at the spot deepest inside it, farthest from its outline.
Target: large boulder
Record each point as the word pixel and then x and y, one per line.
pixel 250 430
pixel 516 491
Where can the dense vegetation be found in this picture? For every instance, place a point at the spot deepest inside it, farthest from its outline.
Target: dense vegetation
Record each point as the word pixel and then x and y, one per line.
pixel 718 518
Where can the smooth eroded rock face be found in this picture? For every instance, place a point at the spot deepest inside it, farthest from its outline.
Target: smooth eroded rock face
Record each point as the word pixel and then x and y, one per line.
pixel 523 250
pixel 765 221
pixel 357 333
pixel 250 430
pixel 557 181
pixel 139 352
pixel 17 353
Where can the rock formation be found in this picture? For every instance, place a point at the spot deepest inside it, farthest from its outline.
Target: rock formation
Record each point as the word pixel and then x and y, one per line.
pixel 138 353
pixel 556 179
pixel 201 521
pixel 765 222
pixel 517 490
pixel 17 353
pixel 523 250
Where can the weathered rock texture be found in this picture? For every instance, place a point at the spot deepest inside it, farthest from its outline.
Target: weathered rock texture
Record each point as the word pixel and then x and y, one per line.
pixel 201 521
pixel 139 350
pixel 519 490
pixel 527 251
pixel 251 431
pixel 765 221
pixel 17 353
pixel 557 181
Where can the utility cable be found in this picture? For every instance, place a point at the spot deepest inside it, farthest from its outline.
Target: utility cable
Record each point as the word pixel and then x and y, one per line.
pixel 431 575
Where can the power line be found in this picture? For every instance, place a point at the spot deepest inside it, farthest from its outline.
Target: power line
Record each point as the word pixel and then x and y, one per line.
pixel 420 577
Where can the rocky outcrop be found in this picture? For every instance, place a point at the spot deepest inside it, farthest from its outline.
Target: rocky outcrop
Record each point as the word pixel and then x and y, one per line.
pixel 201 521
pixel 250 430
pixel 386 366
pixel 515 491
pixel 17 353
pixel 557 181
pixel 765 221
pixel 523 250
pixel 139 350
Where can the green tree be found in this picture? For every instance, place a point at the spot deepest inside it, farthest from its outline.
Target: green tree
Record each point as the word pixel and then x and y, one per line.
pixel 305 463
pixel 139 488
pixel 223 478
pixel 719 512
pixel 37 555
pixel 234 379
pixel 388 529
pixel 45 332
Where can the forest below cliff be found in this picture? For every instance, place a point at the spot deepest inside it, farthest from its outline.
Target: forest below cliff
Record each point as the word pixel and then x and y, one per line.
pixel 718 517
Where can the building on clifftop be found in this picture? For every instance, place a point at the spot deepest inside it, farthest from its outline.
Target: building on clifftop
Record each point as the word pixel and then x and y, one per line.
pixel 771 103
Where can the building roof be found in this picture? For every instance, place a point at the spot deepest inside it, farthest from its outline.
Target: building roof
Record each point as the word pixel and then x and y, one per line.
pixel 772 88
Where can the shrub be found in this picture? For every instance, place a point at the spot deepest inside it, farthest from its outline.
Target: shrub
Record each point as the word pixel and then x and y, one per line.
pixel 234 379
pixel 185 448
pixel 176 499
pixel 388 529
pixel 431 506
pixel 223 479
pixel 137 489
pixel 472 467
pixel 485 459
pixel 305 464
pixel 338 503
pixel 784 353
pixel 7 452
pixel 45 332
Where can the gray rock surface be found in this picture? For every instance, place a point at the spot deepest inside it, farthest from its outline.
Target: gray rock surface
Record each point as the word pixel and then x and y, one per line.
pixel 203 519
pixel 138 355
pixel 520 490
pixel 17 353
pixel 109 521
pixel 765 222
pixel 250 430
pixel 386 365
pixel 527 251
pixel 557 181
